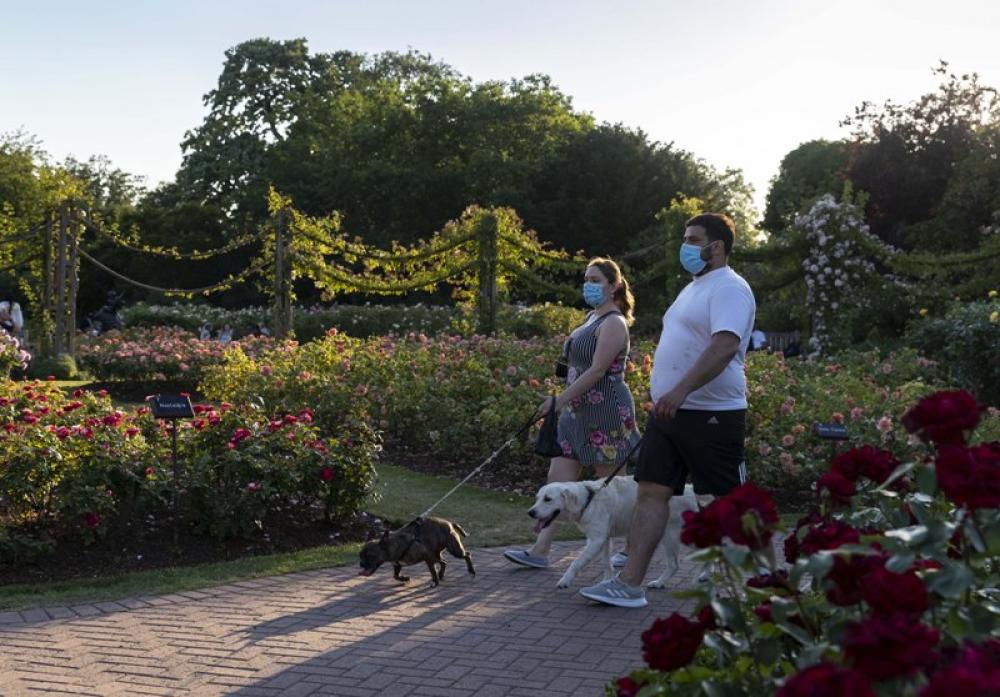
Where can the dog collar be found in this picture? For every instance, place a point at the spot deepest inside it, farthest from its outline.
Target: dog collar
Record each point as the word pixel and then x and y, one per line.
pixel 591 493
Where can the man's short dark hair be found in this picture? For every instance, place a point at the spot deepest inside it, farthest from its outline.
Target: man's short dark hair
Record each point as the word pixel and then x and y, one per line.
pixel 718 226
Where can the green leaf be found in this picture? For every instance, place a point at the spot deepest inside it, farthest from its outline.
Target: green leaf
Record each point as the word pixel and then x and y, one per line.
pixel 927 481
pixel 912 535
pixel 973 536
pixel 735 554
pixel 896 474
pixel 819 564
pixel 899 563
pixel 795 631
pixel 767 651
pixel 811 655
pixel 951 581
pixel 709 554
pixel 729 613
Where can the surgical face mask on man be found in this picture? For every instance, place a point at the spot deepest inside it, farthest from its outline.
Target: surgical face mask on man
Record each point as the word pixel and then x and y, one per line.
pixel 593 293
pixel 690 256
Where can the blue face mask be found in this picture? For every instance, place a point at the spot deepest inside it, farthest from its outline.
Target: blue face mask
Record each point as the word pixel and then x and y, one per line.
pixel 691 258
pixel 593 294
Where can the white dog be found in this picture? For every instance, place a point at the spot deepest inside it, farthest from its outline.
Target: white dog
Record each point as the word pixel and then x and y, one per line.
pixel 608 515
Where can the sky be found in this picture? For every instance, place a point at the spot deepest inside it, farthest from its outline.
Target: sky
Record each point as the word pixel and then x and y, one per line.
pixel 738 83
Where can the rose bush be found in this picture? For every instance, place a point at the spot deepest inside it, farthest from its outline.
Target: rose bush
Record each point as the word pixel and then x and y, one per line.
pixel 453 399
pixel 888 589
pixel 446 397
pixel 366 320
pixel 149 354
pixel 12 355
pixel 80 467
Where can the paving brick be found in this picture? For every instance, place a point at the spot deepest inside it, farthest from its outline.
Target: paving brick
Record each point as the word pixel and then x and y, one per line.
pixel 505 632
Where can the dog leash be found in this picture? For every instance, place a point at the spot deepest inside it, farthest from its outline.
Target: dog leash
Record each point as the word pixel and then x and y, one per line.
pixel 591 493
pixel 473 473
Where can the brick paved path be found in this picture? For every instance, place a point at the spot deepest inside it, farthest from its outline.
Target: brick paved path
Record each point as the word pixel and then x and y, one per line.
pixel 330 632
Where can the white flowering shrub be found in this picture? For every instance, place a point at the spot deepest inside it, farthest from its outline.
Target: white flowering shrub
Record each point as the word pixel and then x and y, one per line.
pixel 842 282
pixel 12 355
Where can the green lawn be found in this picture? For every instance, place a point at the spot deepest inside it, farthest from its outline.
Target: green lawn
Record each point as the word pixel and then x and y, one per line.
pixel 490 518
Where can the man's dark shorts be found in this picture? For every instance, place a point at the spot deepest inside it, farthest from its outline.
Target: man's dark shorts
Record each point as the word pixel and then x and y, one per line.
pixel 706 446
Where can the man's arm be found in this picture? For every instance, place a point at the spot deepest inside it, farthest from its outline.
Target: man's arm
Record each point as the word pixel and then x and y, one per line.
pixel 712 361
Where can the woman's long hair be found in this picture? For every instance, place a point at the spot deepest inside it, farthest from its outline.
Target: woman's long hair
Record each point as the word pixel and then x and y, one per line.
pixel 623 296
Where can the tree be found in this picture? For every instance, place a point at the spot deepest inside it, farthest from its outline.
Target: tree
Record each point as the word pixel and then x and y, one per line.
pixel 905 156
pixel 812 169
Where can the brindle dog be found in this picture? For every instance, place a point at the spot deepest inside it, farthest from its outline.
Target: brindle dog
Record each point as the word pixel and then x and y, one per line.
pixel 422 540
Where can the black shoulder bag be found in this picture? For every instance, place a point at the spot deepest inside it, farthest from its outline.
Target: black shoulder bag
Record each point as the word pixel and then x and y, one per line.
pixel 547 442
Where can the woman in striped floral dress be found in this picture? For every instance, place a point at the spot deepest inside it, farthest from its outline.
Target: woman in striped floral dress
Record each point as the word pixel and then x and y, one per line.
pixel 596 410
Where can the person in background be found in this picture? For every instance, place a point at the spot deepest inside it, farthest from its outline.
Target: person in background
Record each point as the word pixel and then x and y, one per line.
pixel 11 318
pixel 758 340
pixel 225 334
pixel 205 332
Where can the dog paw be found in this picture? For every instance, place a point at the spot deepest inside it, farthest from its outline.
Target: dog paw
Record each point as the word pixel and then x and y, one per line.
pixel 658 583
pixel 564 582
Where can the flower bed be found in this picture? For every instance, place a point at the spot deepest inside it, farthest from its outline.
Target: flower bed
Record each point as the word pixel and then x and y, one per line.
pixel 890 588
pixel 366 320
pixel 78 467
pixel 148 354
pixel 451 400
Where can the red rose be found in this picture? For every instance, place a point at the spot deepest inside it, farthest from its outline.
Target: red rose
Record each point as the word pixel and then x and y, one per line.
pixel 763 611
pixel 840 487
pixel 91 519
pixel 826 680
pixel 326 474
pixel 970 476
pixel 627 687
pixel 866 461
pixel 974 673
pixel 829 535
pixel 887 592
pixel 704 528
pixel 749 502
pixel 943 417
pixel 887 647
pixel 849 576
pixel 706 616
pixel 671 642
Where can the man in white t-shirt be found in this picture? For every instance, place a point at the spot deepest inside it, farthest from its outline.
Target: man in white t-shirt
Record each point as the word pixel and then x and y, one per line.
pixel 698 387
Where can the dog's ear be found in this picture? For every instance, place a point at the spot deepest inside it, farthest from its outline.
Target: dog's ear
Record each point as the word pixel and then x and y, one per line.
pixel 384 539
pixel 571 501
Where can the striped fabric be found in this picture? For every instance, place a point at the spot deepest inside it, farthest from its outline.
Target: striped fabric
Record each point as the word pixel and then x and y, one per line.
pixel 599 427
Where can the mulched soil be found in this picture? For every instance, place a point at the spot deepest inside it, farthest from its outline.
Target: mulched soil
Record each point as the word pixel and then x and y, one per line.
pixel 121 553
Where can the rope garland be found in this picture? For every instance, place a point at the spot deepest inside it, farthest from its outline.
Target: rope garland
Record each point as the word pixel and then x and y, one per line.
pixel 171 252
pixel 224 285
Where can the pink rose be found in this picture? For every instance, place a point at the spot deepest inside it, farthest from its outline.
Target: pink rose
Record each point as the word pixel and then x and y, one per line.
pixel 788 440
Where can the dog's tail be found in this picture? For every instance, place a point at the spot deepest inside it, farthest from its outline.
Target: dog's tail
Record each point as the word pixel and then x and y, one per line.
pixel 462 532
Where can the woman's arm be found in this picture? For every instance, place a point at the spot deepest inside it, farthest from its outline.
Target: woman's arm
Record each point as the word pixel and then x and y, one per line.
pixel 610 340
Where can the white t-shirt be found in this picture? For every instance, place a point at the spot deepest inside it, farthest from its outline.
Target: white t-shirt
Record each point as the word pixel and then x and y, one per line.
pixel 718 301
